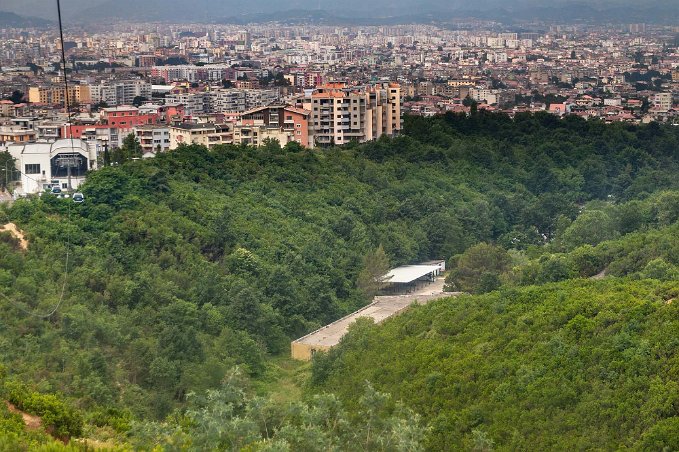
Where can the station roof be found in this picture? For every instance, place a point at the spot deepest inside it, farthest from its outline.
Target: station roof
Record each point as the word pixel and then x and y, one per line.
pixel 409 273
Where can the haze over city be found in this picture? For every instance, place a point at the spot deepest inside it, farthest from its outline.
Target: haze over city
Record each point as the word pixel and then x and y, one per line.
pixel 211 10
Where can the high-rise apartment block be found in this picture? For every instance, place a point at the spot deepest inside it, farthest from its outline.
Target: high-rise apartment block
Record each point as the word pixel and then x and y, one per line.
pixel 662 102
pixel 224 100
pixel 120 92
pixel 54 95
pixel 341 113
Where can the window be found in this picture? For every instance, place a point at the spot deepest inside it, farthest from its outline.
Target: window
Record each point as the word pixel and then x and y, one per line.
pixel 33 168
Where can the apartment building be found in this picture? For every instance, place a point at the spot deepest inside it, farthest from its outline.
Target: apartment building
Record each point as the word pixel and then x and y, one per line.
pixel 662 102
pixel 16 134
pixel 189 73
pixel 126 117
pixel 54 95
pixel 153 138
pixel 224 100
pixel 342 113
pixel 206 134
pixel 285 124
pixel 192 103
pixel 120 92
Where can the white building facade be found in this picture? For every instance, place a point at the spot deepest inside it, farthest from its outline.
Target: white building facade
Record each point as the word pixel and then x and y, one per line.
pixel 47 164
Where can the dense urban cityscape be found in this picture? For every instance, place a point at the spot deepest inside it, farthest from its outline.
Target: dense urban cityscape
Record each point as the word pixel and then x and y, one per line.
pixel 174 84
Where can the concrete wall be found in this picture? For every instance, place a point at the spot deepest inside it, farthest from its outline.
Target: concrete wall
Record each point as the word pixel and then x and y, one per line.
pixel 304 352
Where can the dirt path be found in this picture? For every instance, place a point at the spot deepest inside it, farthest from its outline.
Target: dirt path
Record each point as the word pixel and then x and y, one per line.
pixel 12 228
pixel 31 422
pixel 600 275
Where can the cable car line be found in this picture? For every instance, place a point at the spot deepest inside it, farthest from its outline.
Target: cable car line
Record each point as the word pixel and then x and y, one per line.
pixel 68 229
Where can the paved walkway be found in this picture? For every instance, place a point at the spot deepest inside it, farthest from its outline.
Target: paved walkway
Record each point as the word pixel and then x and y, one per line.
pixel 379 310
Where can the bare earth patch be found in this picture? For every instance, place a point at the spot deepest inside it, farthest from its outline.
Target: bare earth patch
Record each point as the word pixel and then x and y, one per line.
pixel 31 422
pixel 12 229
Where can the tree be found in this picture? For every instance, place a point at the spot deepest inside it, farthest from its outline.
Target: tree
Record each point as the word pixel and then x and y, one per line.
pixel 7 169
pixel 375 267
pixel 271 146
pixel 131 147
pixel 107 156
pixel 17 97
pixel 138 100
pixel 293 146
pixel 478 270
pixel 591 227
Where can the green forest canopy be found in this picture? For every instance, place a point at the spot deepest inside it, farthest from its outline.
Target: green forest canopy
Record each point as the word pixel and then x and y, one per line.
pixel 196 261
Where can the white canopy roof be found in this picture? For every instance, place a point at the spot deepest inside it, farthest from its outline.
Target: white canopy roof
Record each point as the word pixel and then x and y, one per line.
pixel 409 273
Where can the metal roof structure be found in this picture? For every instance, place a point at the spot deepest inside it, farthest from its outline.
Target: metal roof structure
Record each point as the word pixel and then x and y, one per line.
pixel 409 273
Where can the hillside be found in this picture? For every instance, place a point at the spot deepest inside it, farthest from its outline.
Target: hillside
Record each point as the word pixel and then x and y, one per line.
pixel 568 366
pixel 353 11
pixel 185 266
pixel 12 20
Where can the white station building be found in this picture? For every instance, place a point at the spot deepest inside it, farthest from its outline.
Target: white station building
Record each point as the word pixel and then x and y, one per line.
pixel 44 165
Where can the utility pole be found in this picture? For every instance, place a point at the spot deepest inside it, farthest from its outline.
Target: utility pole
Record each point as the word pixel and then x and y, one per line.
pixel 68 172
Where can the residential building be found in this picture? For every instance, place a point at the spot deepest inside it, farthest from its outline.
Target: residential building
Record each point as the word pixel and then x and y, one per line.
pixel 208 135
pixel 16 134
pixel 153 138
pixel 662 102
pixel 284 124
pixel 127 116
pixel 54 95
pixel 122 92
pixel 342 113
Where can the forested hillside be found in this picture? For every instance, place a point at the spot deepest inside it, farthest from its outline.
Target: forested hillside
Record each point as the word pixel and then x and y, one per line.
pixel 567 366
pixel 184 266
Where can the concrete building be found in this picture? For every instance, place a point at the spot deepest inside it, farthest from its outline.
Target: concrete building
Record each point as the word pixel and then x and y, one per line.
pixel 342 113
pixel 16 134
pixel 208 135
pixel 120 92
pixel 153 138
pixel 54 95
pixel 46 164
pixel 284 124
pixel 662 102
pixel 127 116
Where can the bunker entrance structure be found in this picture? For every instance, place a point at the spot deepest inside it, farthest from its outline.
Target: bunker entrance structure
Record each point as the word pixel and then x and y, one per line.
pixel 401 288
pixel 410 278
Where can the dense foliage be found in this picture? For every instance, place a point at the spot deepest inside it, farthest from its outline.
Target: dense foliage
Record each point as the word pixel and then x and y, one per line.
pixel 229 418
pixel 181 267
pixel 568 366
